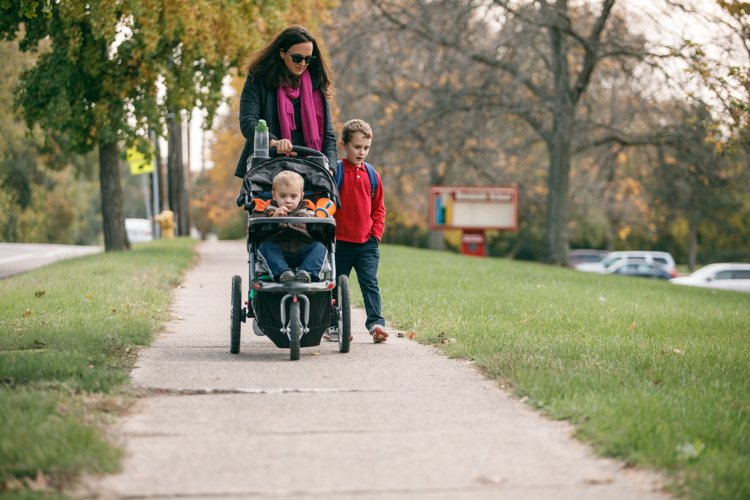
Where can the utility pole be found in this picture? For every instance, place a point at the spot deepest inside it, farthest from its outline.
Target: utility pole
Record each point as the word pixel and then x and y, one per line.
pixel 188 198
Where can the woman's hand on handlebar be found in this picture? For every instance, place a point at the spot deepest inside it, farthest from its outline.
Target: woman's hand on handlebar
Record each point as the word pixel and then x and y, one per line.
pixel 283 146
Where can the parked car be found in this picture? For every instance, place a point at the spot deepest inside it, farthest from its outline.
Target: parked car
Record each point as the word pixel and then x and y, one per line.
pixel 581 256
pixel 637 267
pixel 728 276
pixel 139 230
pixel 659 258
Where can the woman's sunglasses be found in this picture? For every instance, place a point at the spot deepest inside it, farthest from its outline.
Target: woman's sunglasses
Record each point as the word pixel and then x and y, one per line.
pixel 296 58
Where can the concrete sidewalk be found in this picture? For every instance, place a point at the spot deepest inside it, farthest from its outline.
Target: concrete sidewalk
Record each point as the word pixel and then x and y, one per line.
pixel 388 421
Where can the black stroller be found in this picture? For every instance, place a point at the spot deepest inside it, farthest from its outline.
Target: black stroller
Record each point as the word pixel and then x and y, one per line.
pixel 292 315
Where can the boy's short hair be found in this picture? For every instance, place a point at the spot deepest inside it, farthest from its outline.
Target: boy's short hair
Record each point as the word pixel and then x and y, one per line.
pixel 352 127
pixel 287 178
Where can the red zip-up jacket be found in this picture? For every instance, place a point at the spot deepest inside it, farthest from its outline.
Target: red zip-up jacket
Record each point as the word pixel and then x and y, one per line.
pixel 360 215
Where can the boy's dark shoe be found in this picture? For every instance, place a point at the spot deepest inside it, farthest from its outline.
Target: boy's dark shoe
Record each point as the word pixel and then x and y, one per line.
pixel 379 333
pixel 302 276
pixel 286 277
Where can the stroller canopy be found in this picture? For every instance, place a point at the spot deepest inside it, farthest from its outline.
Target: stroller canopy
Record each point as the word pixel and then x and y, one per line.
pixel 259 178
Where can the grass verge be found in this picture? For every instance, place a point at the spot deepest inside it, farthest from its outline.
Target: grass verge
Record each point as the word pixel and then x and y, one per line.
pixel 68 334
pixel 649 372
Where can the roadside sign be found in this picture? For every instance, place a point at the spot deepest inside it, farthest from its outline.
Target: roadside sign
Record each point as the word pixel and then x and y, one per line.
pixel 474 207
pixel 138 162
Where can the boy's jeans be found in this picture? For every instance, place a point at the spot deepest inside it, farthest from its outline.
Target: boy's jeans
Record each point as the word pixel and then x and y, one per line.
pixel 310 258
pixel 364 258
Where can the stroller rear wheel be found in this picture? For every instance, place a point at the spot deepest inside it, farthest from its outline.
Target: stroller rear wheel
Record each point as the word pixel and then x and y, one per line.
pixel 236 315
pixel 295 330
pixel 345 321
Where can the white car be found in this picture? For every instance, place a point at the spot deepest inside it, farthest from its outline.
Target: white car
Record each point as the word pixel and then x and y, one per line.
pixel 663 259
pixel 139 230
pixel 730 276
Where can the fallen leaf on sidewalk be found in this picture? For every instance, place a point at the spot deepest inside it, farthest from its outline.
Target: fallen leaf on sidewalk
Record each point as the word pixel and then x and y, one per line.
pixel 487 479
pixel 399 334
pixel 599 480
pixel 313 354
pixel 412 335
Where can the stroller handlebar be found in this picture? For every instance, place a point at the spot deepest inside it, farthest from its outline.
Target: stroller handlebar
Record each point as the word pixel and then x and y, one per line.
pixel 300 150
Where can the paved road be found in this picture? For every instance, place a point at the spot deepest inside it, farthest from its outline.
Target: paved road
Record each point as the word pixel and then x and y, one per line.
pixel 18 258
pixel 387 421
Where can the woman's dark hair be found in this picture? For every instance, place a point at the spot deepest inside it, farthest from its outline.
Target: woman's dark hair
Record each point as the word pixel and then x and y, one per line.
pixel 268 67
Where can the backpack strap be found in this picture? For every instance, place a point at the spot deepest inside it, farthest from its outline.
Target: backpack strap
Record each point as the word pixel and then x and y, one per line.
pixel 373 179
pixel 371 173
pixel 339 177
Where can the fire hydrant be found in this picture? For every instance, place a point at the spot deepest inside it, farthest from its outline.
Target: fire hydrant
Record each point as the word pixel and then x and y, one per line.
pixel 166 221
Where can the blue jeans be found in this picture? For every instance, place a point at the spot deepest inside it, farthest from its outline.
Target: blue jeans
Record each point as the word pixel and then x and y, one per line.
pixel 364 258
pixel 310 258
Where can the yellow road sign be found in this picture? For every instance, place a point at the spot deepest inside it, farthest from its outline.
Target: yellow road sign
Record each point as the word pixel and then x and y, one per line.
pixel 138 162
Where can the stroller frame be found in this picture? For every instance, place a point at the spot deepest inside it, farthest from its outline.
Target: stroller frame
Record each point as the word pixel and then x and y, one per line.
pixel 296 324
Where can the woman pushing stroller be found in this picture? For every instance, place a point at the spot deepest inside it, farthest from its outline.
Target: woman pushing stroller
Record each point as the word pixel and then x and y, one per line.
pixel 288 86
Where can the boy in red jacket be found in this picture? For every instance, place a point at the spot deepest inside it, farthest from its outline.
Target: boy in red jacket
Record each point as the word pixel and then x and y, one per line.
pixel 360 222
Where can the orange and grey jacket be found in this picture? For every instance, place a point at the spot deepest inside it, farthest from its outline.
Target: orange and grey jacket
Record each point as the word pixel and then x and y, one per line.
pixel 291 238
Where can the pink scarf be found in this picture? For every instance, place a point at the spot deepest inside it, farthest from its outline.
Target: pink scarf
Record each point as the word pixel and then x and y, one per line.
pixel 311 106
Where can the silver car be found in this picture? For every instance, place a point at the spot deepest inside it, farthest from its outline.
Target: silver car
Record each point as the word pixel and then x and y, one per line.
pixel 729 276
pixel 663 259
pixel 139 230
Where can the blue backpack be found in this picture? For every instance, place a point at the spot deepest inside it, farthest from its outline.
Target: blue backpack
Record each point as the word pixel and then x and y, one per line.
pixel 370 173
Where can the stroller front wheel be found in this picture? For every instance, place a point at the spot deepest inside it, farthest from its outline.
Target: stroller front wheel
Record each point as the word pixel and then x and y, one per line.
pixel 236 317
pixel 344 320
pixel 295 330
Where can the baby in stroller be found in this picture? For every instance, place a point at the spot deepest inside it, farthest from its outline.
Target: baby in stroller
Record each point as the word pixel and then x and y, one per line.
pixel 293 244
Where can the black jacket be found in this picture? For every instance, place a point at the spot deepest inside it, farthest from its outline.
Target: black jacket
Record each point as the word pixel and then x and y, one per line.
pixel 258 102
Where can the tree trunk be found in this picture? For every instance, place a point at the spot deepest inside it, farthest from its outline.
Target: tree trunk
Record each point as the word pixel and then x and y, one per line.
pixel 516 247
pixel 113 212
pixel 435 240
pixel 693 243
pixel 556 228
pixel 176 170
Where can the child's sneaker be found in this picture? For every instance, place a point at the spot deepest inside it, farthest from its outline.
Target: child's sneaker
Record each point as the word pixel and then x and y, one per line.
pixel 332 334
pixel 379 333
pixel 302 276
pixel 286 277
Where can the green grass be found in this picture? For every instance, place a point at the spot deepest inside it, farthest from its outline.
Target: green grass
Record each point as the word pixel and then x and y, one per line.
pixel 649 372
pixel 65 354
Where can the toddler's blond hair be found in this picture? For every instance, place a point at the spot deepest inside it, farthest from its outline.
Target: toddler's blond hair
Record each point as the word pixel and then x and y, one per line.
pixel 287 178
